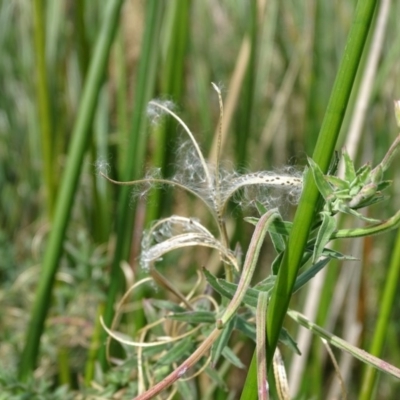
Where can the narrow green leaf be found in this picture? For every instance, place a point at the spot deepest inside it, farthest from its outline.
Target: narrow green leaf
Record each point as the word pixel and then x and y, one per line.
pixel 153 351
pixel 357 185
pixel 261 208
pixel 309 274
pixel 251 220
pixel 367 192
pixel 194 317
pixel 349 170
pixel 213 282
pixel 281 227
pixel 343 195
pixel 383 185
pixel 266 284
pixel 167 305
pixel 278 242
pixel 341 344
pixel 287 340
pixel 330 253
pixel 245 327
pixel 215 376
pixel 378 198
pixel 338 183
pixel 152 315
pixel 177 352
pixel 363 172
pixel 325 231
pixel 277 227
pixel 319 179
pixel 376 229
pixel 228 290
pixel 347 210
pixel 232 357
pixel 276 263
pixel 250 297
pixel 222 341
pixel 186 389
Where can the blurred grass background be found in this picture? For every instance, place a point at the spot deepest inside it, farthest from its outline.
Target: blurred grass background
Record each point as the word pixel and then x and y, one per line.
pixel 275 62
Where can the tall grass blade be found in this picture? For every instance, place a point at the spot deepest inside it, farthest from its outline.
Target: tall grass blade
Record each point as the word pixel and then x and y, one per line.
pixel 135 155
pixel 176 32
pixel 42 93
pixel 386 306
pixel 69 184
pixel 322 156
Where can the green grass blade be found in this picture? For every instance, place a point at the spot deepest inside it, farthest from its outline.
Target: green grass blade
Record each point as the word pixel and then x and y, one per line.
pixel 386 306
pixel 42 93
pixel 176 31
pixel 132 165
pixel 68 187
pixel 247 95
pixel 122 100
pixel 322 156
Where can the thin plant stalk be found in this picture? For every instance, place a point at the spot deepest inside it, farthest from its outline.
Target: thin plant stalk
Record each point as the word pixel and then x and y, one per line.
pixel 42 93
pixel 99 151
pixel 122 97
pixel 386 306
pixel 247 96
pixel 69 182
pixel 321 75
pixel 82 45
pixel 64 372
pixel 321 285
pixel 176 31
pixel 133 163
pixel 322 156
pixel 94 348
pixel 323 152
pixel 345 346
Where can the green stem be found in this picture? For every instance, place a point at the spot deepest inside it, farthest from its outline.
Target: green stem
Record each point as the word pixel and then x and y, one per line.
pixel 69 182
pixel 64 373
pixel 386 305
pixel 122 97
pixel 176 33
pixel 322 155
pixel 245 113
pixel 42 93
pixel 94 348
pixel 323 152
pixel 133 163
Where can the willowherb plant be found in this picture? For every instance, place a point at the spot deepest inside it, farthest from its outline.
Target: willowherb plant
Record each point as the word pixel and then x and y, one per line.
pixel 171 345
pixel 213 185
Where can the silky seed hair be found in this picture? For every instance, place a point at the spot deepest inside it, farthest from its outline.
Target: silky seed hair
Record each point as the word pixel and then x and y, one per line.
pixel 214 184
